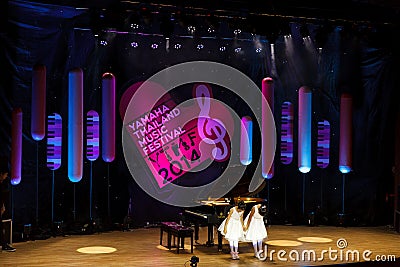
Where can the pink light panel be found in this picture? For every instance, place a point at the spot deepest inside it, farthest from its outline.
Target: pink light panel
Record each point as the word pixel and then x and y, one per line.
pixel 38 104
pixel 16 146
pixel 268 93
pixel 108 117
pixel 346 131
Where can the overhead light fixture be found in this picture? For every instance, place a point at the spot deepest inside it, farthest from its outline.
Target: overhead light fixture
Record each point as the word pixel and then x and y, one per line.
pixel 304 31
pixel 238 49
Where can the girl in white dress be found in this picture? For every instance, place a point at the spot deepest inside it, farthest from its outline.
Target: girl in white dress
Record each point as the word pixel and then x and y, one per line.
pixel 233 228
pixel 255 228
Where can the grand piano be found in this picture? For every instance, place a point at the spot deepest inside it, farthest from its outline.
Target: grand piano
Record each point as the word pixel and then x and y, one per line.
pixel 211 213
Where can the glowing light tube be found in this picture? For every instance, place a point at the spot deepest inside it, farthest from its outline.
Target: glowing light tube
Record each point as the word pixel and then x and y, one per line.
pixel 346 131
pixel 92 135
pixel 54 141
pixel 108 117
pixel 75 125
pixel 304 129
pixel 246 141
pixel 16 146
pixel 38 110
pixel 268 93
pixel 287 133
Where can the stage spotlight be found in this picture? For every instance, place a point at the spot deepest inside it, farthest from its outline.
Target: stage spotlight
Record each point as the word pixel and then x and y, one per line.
pixel 212 23
pixel 311 218
pixel 103 42
pixel 134 44
pixel 134 26
pixel 237 31
pixel 304 31
pixel 193 261
pixel 167 26
pixel 178 46
pixel 191 29
pixel 322 34
pixel 222 48
pixel 286 29
pixel 258 50
pixel 200 46
pixel 238 49
pixel 154 46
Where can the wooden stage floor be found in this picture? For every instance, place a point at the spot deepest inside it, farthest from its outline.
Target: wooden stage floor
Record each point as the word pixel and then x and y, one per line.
pixel 140 247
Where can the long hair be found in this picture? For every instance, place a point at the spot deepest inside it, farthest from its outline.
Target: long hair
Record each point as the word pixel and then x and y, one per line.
pixel 241 205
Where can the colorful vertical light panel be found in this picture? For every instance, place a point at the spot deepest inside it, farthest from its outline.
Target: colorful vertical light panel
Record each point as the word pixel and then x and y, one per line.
pixel 16 146
pixel 92 135
pixel 246 141
pixel 75 125
pixel 346 131
pixel 304 130
pixel 38 104
pixel 268 93
pixel 323 143
pixel 108 117
pixel 287 133
pixel 54 141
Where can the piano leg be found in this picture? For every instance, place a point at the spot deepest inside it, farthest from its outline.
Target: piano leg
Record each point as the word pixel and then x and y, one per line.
pixel 196 231
pixel 219 241
pixel 210 241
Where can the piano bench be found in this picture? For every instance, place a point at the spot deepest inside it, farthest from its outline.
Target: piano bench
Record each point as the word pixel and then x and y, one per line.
pixel 179 231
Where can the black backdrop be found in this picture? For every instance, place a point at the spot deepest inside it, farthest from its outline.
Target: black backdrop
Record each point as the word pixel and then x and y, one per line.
pixel 363 65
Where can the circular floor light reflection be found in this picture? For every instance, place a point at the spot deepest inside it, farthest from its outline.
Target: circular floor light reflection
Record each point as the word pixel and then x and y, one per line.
pixel 284 243
pixel 314 239
pixel 96 250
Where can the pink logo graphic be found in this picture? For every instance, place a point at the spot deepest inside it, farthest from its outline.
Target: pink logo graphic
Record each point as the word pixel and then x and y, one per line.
pixel 212 131
pixel 175 139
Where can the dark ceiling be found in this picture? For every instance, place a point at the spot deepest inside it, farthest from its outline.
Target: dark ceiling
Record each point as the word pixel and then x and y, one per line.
pixel 379 11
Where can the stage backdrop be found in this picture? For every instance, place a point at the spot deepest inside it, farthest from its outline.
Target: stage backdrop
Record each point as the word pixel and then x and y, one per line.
pixel 41 34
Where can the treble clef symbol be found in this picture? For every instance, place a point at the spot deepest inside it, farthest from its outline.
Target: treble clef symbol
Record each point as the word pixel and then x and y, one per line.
pixel 209 127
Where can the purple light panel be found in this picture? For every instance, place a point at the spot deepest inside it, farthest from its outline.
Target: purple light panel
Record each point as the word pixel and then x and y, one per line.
pixel 323 143
pixel 54 141
pixel 38 111
pixel 92 135
pixel 287 133
pixel 108 117
pixel 268 93
pixel 16 146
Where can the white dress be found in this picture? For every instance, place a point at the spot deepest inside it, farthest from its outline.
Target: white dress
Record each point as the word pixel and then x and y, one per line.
pixel 234 229
pixel 256 230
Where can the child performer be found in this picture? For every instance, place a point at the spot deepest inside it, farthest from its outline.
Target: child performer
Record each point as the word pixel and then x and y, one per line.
pixel 255 227
pixel 233 228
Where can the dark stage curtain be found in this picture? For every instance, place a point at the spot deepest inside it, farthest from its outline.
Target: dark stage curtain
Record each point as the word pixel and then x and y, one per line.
pixel 365 67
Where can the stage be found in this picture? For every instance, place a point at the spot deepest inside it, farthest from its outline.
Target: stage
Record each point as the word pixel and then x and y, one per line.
pixel 140 247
